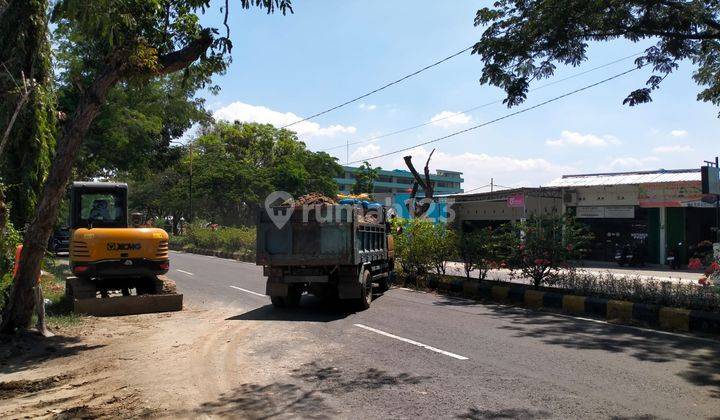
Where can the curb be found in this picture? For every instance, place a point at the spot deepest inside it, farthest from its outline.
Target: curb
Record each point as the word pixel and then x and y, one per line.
pixel 662 317
pixel 238 256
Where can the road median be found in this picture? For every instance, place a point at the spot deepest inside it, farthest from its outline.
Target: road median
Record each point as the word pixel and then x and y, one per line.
pixel 617 311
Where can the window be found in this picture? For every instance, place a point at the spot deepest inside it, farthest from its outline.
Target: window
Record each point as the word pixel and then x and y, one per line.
pixel 103 208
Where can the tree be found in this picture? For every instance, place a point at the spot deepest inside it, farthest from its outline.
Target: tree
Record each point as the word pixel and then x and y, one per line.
pixel 133 130
pixel 235 166
pixel 541 246
pixel 27 115
pixel 427 185
pixel 121 42
pixel 524 40
pixel 365 179
pixel 478 250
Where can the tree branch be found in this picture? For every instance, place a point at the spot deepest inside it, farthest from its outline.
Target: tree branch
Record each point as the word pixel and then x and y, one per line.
pixel 180 59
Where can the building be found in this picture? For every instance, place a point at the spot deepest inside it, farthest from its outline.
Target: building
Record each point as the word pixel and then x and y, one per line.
pixel 655 212
pixel 398 183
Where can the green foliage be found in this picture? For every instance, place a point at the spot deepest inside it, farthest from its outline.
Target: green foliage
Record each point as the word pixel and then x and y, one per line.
pixel 365 179
pixel 224 238
pixel 478 250
pixel 25 54
pixel 542 245
pixel 234 167
pixel 135 127
pixel 444 246
pixel 525 40
pixel 414 246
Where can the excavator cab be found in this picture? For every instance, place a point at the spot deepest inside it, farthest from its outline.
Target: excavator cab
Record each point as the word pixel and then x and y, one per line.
pixel 106 253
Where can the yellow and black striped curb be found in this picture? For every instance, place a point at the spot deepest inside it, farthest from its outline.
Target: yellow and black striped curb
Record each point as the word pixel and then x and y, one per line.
pixel 668 318
pixel 215 253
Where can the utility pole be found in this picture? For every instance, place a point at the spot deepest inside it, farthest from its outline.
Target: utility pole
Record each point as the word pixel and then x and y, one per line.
pixel 492 184
pixel 717 207
pixel 190 201
pixel 347 152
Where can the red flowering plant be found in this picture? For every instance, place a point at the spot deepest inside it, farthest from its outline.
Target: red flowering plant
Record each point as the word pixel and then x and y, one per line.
pixel 541 246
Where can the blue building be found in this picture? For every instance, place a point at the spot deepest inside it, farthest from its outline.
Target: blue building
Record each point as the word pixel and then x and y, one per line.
pixel 394 186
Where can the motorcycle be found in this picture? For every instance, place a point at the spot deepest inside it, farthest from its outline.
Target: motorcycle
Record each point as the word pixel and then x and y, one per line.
pixel 624 256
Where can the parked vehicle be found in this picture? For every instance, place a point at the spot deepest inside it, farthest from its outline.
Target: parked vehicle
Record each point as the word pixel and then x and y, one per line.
pixel 59 241
pixel 624 255
pixel 341 256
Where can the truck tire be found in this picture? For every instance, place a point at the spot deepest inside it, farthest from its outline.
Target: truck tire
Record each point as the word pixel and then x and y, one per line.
pixel 291 300
pixel 365 291
pixel 384 284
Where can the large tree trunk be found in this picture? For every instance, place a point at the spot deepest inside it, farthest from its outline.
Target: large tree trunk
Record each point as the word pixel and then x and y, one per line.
pixel 18 311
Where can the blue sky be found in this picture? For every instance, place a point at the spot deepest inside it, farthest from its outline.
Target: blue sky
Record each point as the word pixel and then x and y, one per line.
pixel 330 51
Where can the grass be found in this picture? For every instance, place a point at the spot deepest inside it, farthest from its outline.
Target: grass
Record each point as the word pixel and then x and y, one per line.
pixel 59 313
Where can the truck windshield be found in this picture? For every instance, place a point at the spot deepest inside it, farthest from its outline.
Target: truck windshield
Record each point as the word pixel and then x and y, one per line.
pixel 102 209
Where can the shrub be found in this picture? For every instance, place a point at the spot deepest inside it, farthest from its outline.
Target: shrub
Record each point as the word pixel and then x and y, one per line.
pixel 477 250
pixel 229 239
pixel 542 245
pixel 414 246
pixel 444 246
pixel 636 289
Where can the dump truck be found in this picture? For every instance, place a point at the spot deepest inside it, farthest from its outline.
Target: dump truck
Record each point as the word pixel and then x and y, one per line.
pixel 331 251
pixel 107 255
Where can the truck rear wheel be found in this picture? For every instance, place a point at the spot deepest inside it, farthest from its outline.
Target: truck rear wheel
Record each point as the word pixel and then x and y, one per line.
pixel 366 291
pixel 290 300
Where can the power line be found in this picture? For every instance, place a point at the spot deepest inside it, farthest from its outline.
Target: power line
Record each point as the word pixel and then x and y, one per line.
pixel 475 108
pixel 512 114
pixel 415 73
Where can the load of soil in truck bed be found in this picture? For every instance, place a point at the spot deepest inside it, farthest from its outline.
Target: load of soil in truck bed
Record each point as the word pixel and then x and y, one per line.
pixel 312 199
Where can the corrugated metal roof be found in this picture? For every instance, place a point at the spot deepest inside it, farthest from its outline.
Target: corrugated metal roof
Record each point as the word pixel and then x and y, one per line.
pixel 626 178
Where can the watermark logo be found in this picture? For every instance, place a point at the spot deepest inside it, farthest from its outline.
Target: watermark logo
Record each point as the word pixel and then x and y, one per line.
pixel 279 215
pixel 280 206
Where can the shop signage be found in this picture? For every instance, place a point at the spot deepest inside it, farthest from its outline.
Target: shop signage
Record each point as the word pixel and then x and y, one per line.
pixel 605 212
pixel 516 200
pixel 590 212
pixel 710 180
pixel 669 194
pixel 620 212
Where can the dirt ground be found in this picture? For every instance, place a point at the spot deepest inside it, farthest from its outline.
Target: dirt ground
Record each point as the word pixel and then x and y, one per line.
pixel 156 365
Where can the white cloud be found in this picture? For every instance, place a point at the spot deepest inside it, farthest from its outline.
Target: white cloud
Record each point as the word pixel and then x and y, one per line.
pixel 679 133
pixel 625 163
pixel 447 119
pixel 239 111
pixel 364 152
pixel 571 138
pixel 478 168
pixel 367 107
pixel 676 148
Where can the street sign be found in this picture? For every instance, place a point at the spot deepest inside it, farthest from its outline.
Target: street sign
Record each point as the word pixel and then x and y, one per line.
pixel 710 180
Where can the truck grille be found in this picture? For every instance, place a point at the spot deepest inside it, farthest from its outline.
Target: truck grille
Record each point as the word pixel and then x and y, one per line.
pixel 80 249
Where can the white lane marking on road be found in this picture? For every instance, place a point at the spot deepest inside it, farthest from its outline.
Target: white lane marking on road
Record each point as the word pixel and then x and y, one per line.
pixel 186 272
pixel 413 342
pixel 248 291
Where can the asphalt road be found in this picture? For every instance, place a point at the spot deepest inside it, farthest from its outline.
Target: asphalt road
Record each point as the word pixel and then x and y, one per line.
pixel 420 355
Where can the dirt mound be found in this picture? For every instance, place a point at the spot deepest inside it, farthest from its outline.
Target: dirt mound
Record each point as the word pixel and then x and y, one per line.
pixel 312 199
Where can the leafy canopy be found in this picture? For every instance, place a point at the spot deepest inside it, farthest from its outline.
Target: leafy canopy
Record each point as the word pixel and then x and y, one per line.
pixel 524 40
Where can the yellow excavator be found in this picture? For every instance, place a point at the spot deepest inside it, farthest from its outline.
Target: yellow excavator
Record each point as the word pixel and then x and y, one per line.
pixel 107 255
